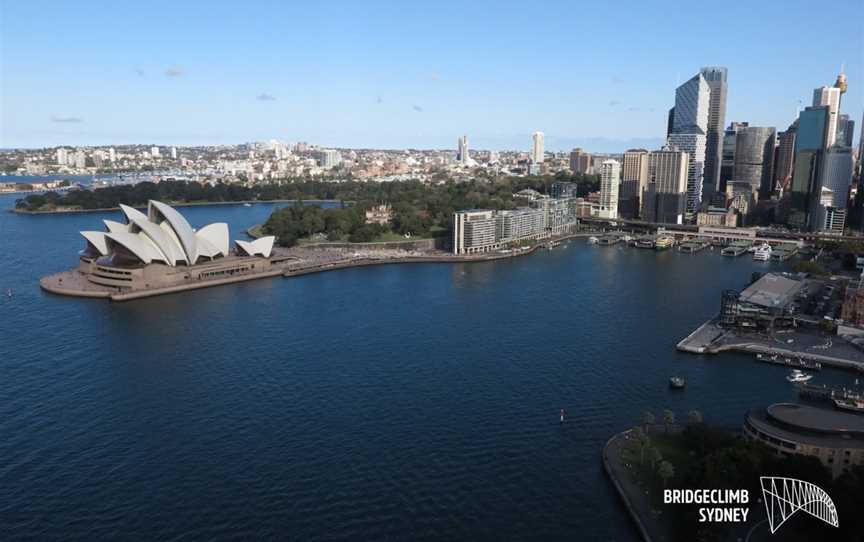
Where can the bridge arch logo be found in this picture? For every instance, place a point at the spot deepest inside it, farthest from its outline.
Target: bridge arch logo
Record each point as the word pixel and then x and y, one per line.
pixel 785 496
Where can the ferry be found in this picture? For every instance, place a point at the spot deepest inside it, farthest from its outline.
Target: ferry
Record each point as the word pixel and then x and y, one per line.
pixel 662 243
pixel 677 383
pixel 854 405
pixel 798 376
pixel 762 253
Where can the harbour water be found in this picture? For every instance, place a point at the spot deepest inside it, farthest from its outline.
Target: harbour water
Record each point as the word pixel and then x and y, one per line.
pixel 397 402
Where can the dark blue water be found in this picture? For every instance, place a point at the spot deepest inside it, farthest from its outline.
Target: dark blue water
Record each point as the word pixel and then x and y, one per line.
pixel 402 402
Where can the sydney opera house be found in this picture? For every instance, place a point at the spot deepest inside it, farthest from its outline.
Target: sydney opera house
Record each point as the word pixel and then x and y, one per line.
pixel 161 250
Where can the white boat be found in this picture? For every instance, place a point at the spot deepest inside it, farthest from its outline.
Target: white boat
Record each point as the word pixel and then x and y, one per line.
pixel 762 253
pixel 798 376
pixel 247 205
pixel 593 240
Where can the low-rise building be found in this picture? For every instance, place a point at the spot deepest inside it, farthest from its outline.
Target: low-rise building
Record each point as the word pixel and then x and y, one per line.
pixel 380 214
pixel 717 216
pixel 835 438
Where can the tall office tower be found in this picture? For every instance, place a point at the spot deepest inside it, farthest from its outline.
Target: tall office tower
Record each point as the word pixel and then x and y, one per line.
pixel 62 156
pixel 715 76
pixel 754 158
pixel 689 128
pixel 664 196
pixel 173 153
pixel 694 146
pixel 810 142
pixel 537 148
pixel 670 121
pixel 154 152
pixel 836 178
pixel 845 131
pixel 727 160
pixel 112 154
pixel 785 158
pixel 580 161
pixel 610 177
pixel 462 152
pixel 829 97
pixel 634 180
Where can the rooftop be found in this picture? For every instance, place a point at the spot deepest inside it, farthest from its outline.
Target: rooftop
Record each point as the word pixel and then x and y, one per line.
pixel 771 290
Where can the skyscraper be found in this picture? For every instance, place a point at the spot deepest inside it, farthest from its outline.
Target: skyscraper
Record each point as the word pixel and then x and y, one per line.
pixel 634 181
pixel 829 97
pixel 537 148
pixel 715 76
pixel 754 158
pixel 810 143
pixel 845 131
pixel 664 195
pixel 785 158
pixel 689 128
pixel 580 161
pixel 727 161
pixel 462 152
pixel 610 177
pixel 836 177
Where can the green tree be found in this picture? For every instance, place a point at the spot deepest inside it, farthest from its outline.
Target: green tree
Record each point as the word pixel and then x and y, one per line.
pixel 648 419
pixel 666 471
pixel 668 419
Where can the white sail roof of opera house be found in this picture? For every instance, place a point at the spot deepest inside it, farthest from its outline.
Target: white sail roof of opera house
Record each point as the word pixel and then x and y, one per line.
pixel 162 235
pixel 262 246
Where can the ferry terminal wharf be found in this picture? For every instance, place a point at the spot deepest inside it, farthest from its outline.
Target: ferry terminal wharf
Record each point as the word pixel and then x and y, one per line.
pixel 710 338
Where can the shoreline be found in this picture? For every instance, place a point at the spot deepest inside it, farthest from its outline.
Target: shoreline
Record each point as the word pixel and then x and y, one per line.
pixel 708 339
pixel 54 283
pixel 173 204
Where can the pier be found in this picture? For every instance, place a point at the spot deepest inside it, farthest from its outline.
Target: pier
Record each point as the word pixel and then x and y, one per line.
pixel 736 249
pixel 694 245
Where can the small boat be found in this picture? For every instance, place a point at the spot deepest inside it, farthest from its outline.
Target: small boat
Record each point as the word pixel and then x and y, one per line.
pixel 247 205
pixel 663 242
pixel 854 405
pixel 593 240
pixel 762 253
pixel 798 376
pixel 677 383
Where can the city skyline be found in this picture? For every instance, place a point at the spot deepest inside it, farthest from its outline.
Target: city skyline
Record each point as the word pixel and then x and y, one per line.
pixel 211 83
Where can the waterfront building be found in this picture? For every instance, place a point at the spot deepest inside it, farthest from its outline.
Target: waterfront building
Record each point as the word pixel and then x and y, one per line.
pixel 537 150
pixel 835 438
pixel 766 303
pixel 112 155
pixel 829 97
pixel 62 156
pixel 462 152
pixel 717 216
pixel 634 181
pixel 716 77
pixel 727 160
pixel 580 161
pixel 80 159
pixel 754 158
pixel 610 177
pixel 160 249
pixel 664 196
pixel 484 230
pixel 519 224
pixel 474 231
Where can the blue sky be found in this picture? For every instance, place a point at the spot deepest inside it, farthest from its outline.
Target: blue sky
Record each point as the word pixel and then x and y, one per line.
pixel 402 74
